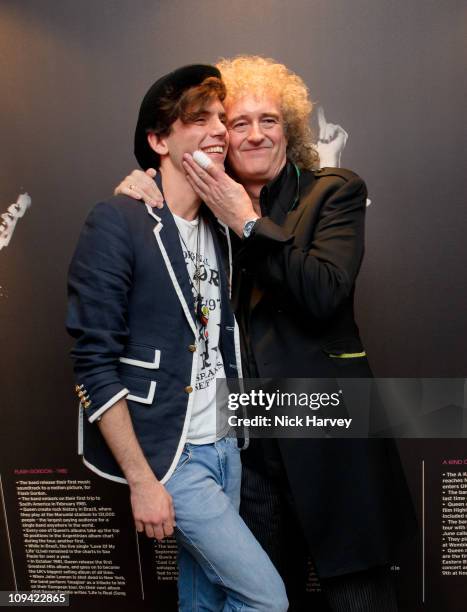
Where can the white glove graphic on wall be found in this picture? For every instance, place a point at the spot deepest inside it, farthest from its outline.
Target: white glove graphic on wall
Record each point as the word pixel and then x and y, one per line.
pixel 10 218
pixel 332 139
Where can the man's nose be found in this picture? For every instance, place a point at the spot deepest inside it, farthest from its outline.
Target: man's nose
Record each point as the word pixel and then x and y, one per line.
pixel 218 127
pixel 255 134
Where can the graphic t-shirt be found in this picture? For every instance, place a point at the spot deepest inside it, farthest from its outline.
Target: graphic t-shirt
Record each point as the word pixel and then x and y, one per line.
pixel 200 257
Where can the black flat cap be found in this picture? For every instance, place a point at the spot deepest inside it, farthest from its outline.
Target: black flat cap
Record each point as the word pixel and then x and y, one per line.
pixel 171 86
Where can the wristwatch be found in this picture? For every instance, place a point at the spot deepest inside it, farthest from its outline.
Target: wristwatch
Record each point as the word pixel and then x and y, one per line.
pixel 248 227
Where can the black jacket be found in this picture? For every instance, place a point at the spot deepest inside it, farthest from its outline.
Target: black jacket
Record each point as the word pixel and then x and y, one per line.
pixel 293 295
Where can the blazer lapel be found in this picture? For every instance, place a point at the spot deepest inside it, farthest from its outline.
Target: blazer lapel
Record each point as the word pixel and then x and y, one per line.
pixel 286 209
pixel 292 219
pixel 168 239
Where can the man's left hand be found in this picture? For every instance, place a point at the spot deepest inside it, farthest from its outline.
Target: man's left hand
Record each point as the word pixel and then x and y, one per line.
pixel 227 199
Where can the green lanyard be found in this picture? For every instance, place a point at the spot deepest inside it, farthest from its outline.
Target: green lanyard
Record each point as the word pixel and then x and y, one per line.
pixel 297 193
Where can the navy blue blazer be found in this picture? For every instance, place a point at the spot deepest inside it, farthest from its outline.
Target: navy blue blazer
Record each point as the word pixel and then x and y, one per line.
pixel 131 313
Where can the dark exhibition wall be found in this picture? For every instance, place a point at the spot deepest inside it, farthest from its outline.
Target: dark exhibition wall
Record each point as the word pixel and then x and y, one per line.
pixel 72 75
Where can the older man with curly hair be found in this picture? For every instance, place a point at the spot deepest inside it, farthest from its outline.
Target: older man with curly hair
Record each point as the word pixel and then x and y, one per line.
pixel 298 238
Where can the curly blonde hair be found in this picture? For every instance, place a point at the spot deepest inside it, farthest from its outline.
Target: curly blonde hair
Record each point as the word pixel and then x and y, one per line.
pixel 252 74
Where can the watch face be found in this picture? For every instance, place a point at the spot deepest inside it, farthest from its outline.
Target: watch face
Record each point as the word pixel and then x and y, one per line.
pixel 248 227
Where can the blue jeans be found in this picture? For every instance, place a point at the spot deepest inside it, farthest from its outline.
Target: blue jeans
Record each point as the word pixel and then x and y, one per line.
pixel 221 565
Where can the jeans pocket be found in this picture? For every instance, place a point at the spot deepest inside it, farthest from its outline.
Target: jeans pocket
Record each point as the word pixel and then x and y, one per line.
pixel 232 441
pixel 184 459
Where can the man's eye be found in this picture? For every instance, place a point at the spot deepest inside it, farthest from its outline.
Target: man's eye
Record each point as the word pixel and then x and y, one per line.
pixel 240 126
pixel 268 122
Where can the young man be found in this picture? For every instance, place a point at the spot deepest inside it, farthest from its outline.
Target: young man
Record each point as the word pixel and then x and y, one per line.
pixel 344 502
pixel 149 308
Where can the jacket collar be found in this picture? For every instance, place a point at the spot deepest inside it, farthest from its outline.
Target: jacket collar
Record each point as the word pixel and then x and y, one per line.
pixel 168 237
pixel 280 195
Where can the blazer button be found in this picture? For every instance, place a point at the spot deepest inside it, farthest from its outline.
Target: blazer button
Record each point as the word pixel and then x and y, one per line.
pixel 188 389
pixel 192 348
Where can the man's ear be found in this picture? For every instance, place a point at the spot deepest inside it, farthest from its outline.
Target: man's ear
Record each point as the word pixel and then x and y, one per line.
pixel 158 144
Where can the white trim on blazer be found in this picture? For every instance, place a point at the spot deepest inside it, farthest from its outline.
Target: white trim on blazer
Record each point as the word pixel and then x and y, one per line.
pixel 144 400
pixel 113 400
pixel 150 365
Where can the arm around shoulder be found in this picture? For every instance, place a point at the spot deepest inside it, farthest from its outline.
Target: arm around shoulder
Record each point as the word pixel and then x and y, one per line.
pixel 322 274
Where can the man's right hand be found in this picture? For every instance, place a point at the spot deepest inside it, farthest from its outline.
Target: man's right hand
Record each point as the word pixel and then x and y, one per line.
pixel 140 185
pixel 152 506
pixel 153 509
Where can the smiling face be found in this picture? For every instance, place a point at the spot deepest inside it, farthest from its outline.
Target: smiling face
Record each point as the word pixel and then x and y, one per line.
pixel 258 144
pixel 205 131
